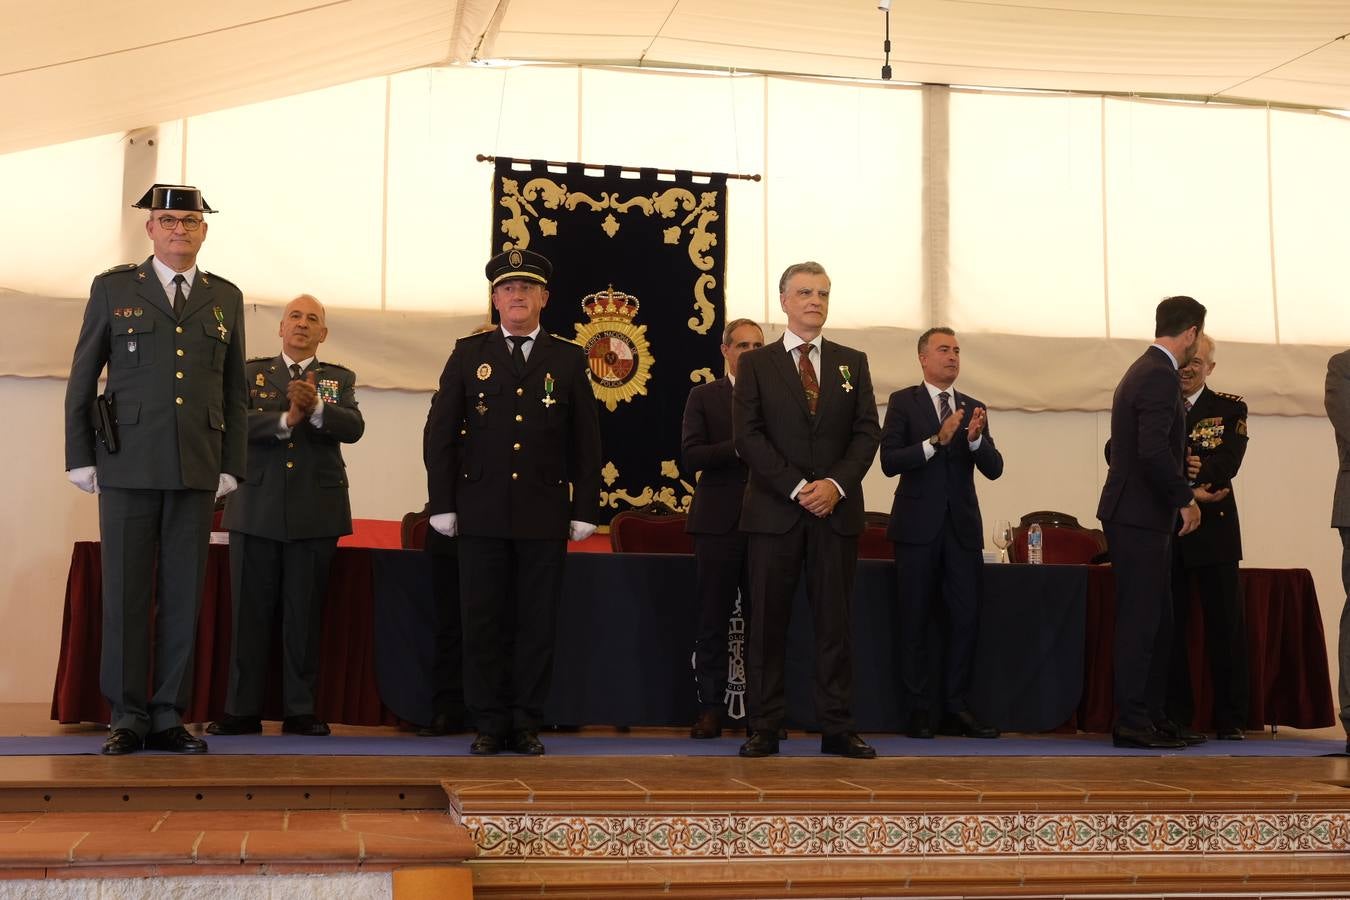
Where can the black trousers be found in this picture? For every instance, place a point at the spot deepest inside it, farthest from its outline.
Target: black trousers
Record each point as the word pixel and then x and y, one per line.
pixel 447 665
pixel 264 575
pixel 1225 643
pixel 509 591
pixel 722 571
pixel 937 588
pixel 1141 560
pixel 776 566
pixel 154 551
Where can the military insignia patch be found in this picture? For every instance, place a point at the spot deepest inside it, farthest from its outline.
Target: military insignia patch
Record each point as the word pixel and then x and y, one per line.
pixel 1241 427
pixel 617 352
pixel 260 381
pixel 484 372
pixel 328 390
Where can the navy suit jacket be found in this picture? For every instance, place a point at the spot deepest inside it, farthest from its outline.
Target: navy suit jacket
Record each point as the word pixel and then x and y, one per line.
pixel 706 446
pixel 1146 481
pixel 782 443
pixel 931 489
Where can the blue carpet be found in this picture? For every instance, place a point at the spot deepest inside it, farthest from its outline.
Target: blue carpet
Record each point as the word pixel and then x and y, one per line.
pixel 634 745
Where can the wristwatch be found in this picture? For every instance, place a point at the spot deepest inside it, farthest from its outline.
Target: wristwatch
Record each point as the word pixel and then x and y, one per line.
pixel 935 442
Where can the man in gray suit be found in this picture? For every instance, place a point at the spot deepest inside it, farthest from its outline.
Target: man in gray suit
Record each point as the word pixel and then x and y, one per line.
pixel 1338 411
pixel 286 518
pixel 168 442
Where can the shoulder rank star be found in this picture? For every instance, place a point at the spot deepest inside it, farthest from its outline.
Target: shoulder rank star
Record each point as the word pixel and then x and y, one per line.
pixel 548 390
pixel 220 322
pixel 848 378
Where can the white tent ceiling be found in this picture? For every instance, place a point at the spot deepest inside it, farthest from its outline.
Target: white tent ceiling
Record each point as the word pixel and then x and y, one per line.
pixel 72 69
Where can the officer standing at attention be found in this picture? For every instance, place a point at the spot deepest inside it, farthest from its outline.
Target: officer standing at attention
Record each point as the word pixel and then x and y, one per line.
pixel 513 468
pixel 286 518
pixel 165 440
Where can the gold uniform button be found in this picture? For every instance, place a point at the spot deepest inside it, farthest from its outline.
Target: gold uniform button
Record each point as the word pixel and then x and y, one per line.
pixel 515 446
pixel 179 352
pixel 178 400
pixel 177 374
pixel 178 328
pixel 519 417
pixel 131 331
pixel 463 431
pixel 289 464
pixel 515 475
pixel 520 392
pixel 291 445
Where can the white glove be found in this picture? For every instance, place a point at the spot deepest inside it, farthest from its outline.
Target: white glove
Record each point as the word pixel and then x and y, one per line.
pixel 446 523
pixel 85 478
pixel 227 485
pixel 579 531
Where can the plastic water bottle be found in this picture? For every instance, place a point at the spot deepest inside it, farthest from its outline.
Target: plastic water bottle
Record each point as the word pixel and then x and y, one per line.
pixel 1034 544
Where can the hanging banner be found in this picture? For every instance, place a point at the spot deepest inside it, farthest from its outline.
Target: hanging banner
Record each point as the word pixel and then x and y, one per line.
pixel 639 279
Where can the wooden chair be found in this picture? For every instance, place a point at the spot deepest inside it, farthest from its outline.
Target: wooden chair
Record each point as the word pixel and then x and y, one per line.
pixel 873 543
pixel 651 529
pixel 413 529
pixel 1063 540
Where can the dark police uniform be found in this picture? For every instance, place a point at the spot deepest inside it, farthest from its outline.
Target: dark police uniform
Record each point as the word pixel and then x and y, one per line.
pixel 284 523
pixel 1207 559
pixel 516 457
pixel 178 384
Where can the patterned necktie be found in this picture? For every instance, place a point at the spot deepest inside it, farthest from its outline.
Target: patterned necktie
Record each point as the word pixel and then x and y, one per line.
pixel 808 373
pixel 179 298
pixel 295 370
pixel 1188 405
pixel 518 352
pixel 944 408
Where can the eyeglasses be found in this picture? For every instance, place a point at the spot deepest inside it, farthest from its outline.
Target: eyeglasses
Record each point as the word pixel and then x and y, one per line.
pixel 189 223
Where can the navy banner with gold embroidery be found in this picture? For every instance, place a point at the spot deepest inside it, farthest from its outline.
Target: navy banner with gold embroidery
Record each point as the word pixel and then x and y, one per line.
pixel 639 275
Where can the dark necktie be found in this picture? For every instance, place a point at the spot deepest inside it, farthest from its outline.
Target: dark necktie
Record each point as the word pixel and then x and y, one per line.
pixel 179 298
pixel 295 370
pixel 808 373
pixel 944 408
pixel 518 352
pixel 1187 404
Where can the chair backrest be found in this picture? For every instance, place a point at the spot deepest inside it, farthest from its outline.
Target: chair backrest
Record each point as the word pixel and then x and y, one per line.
pixel 412 530
pixel 651 529
pixel 1063 540
pixel 873 543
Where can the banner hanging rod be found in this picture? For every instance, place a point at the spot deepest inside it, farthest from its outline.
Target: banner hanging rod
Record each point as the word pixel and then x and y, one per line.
pixel 484 158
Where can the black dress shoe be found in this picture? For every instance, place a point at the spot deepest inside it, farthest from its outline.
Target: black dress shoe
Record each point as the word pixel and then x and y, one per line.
pixel 176 740
pixel 761 743
pixel 121 742
pixel 442 724
pixel 527 742
pixel 707 725
pixel 308 725
pixel 919 726
pixel 964 724
pixel 847 744
pixel 1171 729
pixel 1145 739
pixel 235 725
pixel 486 745
pixel 1230 734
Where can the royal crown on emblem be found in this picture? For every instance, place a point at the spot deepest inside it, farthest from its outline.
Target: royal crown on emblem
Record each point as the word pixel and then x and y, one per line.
pixel 610 305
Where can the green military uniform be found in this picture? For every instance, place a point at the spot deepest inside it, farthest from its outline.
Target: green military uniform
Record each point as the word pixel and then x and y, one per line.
pixel 178 384
pixel 284 524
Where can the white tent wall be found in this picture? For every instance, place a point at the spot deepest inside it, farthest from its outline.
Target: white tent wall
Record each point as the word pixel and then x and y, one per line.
pixel 1045 227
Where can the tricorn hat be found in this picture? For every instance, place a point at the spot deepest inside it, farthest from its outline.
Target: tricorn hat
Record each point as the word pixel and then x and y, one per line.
pixel 173 196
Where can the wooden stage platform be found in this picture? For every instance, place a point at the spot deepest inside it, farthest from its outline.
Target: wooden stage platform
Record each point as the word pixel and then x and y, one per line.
pixel 511 826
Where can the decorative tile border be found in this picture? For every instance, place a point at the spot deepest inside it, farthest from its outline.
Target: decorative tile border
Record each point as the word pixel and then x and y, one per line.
pixel 800 835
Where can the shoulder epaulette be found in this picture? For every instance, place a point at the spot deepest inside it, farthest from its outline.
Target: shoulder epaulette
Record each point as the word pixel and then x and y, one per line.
pixel 124 267
pixel 329 364
pixel 220 278
pixel 1236 397
pixel 260 359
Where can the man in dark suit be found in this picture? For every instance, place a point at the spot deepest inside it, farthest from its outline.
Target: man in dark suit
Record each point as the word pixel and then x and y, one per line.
pixel 286 518
pixel 1337 400
pixel 714 521
pixel 1144 494
pixel 1207 558
pixel 172 339
pixel 806 425
pixel 934 439
pixel 513 468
